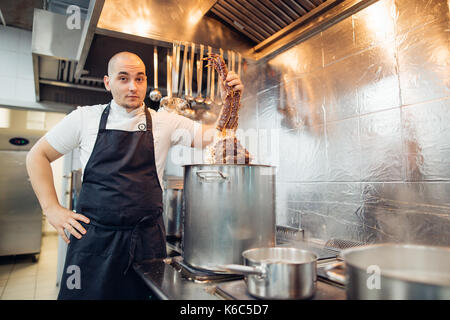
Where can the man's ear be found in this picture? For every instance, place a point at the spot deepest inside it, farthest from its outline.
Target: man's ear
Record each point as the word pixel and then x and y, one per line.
pixel 106 82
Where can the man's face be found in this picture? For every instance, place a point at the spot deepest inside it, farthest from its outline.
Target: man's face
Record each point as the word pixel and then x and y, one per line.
pixel 127 82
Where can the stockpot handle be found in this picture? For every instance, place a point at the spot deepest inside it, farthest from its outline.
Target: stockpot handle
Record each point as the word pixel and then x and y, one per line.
pixel 334 276
pixel 211 175
pixel 245 270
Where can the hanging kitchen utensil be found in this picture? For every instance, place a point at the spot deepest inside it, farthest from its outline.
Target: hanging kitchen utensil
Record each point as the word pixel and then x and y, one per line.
pixel 188 96
pixel 167 102
pixel 208 100
pixel 199 99
pixel 233 56
pixel 183 70
pixel 155 94
pixel 239 65
pixel 176 66
pixel 213 84
pixel 182 104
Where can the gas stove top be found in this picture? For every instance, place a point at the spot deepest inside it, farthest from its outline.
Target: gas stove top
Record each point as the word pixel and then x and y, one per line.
pixel 200 275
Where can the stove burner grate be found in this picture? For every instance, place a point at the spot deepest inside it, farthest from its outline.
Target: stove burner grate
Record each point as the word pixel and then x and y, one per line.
pixel 201 275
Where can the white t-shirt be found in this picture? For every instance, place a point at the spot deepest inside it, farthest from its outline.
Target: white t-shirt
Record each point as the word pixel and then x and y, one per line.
pixel 80 127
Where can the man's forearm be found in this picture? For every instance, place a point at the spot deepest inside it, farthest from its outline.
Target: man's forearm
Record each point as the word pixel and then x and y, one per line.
pixel 41 177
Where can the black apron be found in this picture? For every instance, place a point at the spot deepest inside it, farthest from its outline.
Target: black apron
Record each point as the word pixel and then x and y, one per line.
pixel 122 197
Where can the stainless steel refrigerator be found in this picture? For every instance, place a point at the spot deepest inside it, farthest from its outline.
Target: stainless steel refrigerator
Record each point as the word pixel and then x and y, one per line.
pixel 20 213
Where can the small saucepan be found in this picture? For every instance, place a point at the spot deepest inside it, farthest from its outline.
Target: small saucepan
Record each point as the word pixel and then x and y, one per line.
pixel 278 273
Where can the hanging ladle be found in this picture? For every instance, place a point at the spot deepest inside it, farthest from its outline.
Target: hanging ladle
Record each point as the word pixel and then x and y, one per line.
pixel 167 102
pixel 155 94
pixel 182 104
pixel 208 100
pixel 189 97
pixel 199 99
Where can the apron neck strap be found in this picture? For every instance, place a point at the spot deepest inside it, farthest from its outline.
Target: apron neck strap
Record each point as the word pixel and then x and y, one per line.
pixel 148 119
pixel 104 117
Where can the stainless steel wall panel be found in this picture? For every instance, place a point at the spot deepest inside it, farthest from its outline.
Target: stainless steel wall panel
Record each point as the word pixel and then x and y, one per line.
pixel 289 153
pixel 378 85
pixel 311 156
pixel 251 77
pixel 303 58
pixel 309 200
pixel 427 140
pixel 423 56
pixel 338 41
pixel 248 114
pixel 363 154
pixel 340 85
pixel 381 146
pixel 344 202
pixel 287 212
pixel 403 212
pixel 343 150
pixel 417 13
pixel 314 224
pixel 269 116
pixel 310 102
pixel 375 25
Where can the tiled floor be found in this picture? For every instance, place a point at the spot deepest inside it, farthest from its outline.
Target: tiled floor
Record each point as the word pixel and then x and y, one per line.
pixel 22 279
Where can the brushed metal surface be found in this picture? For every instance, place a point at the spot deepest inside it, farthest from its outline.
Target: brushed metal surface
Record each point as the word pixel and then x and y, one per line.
pixel 228 209
pixel 20 212
pixel 426 133
pixel 406 272
pixel 363 152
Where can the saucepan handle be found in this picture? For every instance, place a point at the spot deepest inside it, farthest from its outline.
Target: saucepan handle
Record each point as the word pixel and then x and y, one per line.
pixel 334 276
pixel 245 270
pixel 211 175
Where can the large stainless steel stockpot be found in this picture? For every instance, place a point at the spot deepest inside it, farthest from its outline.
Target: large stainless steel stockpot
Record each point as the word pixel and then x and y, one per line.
pixel 278 273
pixel 228 209
pixel 396 271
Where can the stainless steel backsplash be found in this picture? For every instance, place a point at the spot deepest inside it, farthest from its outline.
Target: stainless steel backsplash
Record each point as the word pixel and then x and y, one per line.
pixel 357 120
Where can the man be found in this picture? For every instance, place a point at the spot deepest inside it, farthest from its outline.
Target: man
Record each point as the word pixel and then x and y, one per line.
pixel 123 150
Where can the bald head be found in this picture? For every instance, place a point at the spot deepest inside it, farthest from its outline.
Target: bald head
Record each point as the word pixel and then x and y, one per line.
pixel 123 57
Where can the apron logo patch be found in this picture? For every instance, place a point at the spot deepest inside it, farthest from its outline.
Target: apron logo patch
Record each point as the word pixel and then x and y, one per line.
pixel 142 126
pixel 74 280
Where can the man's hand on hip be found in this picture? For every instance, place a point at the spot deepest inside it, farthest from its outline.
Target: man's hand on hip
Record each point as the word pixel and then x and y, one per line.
pixel 61 218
